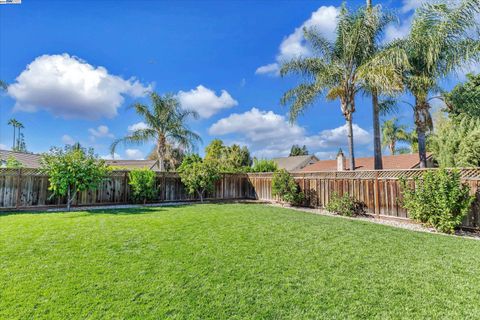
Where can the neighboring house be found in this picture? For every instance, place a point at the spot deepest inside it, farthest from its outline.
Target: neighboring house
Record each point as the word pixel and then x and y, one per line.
pixel 401 161
pixel 32 160
pixel 295 163
pixel 134 164
pixel 28 160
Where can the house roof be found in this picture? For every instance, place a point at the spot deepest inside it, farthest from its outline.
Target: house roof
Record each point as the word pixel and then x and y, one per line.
pixel 32 160
pixel 401 161
pixel 133 164
pixel 294 163
pixel 28 160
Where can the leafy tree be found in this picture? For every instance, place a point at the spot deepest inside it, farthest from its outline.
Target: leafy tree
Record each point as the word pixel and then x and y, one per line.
pixel 285 187
pixel 13 163
pixel 198 176
pixel 264 165
pixel 393 132
pixel 73 170
pixel 228 158
pixel 464 99
pixel 142 184
pixel 438 44
pixel 455 142
pixel 438 199
pixel 166 125
pixel 342 68
pixel 296 150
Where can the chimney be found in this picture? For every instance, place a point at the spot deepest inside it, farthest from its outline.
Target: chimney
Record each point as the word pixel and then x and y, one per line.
pixel 340 160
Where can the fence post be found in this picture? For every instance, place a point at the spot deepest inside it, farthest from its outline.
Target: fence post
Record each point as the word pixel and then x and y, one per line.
pixel 19 186
pixel 223 186
pixel 376 196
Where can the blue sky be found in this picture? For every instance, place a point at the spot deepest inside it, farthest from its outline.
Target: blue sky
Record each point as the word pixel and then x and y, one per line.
pixel 75 66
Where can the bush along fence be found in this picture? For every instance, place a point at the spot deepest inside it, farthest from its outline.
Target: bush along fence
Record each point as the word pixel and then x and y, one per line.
pixel 28 188
pixel 380 191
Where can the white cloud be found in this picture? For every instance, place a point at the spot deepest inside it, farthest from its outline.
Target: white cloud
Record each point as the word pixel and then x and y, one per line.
pixel 271 69
pixel 409 5
pixel 137 126
pixel 101 131
pixel 294 45
pixel 66 139
pixel 269 134
pixel 134 154
pixel 69 87
pixel 4 147
pixel 116 156
pixel 205 101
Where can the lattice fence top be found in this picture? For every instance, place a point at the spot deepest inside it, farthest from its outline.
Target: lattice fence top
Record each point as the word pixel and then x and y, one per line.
pixel 465 173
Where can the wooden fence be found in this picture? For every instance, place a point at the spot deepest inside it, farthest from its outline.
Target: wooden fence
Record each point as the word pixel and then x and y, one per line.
pixel 379 190
pixel 28 188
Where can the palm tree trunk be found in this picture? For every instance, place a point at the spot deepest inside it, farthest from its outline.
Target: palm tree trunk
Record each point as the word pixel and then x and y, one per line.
pixel 350 142
pixel 18 139
pixel 14 132
pixel 377 143
pixel 369 3
pixel 161 153
pixel 420 112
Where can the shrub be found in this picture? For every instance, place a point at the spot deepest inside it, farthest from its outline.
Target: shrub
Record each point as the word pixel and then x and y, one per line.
pixel 345 205
pixel 285 187
pixel 264 165
pixel 439 199
pixel 72 170
pixel 198 175
pixel 13 163
pixel 142 183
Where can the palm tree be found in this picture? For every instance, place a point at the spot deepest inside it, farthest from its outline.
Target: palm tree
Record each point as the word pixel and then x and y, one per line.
pixel 20 136
pixel 393 132
pixel 13 122
pixel 342 68
pixel 438 44
pixel 166 125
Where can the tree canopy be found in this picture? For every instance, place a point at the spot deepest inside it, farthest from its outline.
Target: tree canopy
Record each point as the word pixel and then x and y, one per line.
pixel 296 150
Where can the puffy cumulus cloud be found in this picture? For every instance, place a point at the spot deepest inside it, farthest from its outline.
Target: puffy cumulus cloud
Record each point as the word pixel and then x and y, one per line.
pixel 269 134
pixel 4 147
pixel 66 139
pixel 69 87
pixel 100 132
pixel 205 101
pixel 137 126
pixel 324 19
pixel 410 5
pixel 134 154
pixel 398 31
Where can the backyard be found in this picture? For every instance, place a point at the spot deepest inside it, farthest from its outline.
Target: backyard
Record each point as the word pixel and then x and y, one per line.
pixel 229 261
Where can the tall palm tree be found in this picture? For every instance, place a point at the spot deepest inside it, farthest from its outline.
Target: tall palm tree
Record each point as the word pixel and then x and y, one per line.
pixel 393 132
pixel 439 43
pixel 166 125
pixel 19 126
pixel 339 70
pixel 13 122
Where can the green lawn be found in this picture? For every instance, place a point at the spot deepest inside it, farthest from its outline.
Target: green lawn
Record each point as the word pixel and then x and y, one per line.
pixel 231 261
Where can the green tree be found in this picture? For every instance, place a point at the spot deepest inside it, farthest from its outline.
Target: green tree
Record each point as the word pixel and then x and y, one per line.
pixel 198 176
pixel 173 157
pixel 296 150
pixel 455 142
pixel 142 184
pixel 393 132
pixel 264 165
pixel 438 44
pixel 215 150
pixel 339 70
pixel 73 170
pixel 166 125
pixel 464 99
pixel 228 158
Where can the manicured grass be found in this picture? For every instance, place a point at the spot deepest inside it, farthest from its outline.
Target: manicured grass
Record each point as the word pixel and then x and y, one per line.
pixel 231 261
